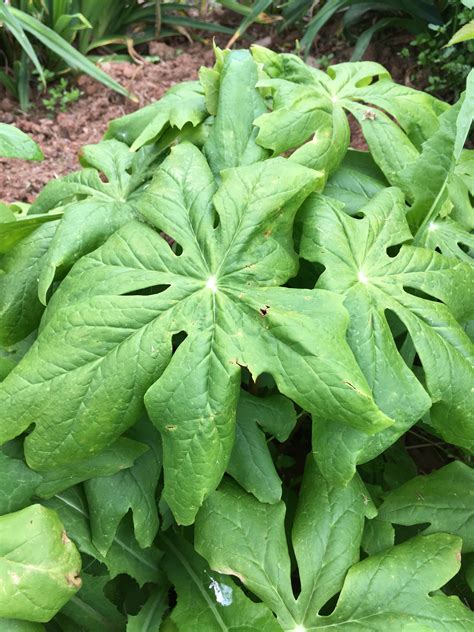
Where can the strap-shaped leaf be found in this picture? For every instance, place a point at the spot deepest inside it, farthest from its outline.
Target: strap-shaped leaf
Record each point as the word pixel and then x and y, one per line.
pixel 444 499
pixel 354 253
pixel 389 591
pixel 39 565
pixel 106 346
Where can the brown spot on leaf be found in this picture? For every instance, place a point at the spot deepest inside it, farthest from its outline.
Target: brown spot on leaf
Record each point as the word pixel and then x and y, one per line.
pixel 73 580
pixel 264 310
pixel 267 233
pixel 369 115
pixel 64 538
pixel 171 427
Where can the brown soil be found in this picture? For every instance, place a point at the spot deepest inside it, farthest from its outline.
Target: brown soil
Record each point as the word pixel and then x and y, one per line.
pixel 85 121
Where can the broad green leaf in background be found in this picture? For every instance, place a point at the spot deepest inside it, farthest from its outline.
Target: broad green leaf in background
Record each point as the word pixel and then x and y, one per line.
pixel 124 556
pixel 231 141
pixel 16 625
pixel 93 209
pixel 465 33
pixel 388 591
pixel 221 292
pixel 354 253
pixel 20 307
pixel 16 144
pixel 39 565
pixel 207 600
pixel 251 464
pixel 90 609
pixel 181 105
pixel 110 497
pixel 444 499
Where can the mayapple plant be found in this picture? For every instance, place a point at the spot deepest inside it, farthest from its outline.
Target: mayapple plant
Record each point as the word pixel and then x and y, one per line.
pixel 215 339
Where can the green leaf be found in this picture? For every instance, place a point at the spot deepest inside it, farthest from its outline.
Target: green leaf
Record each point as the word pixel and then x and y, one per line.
pixel 17 484
pixel 242 537
pixel 16 144
pixel 182 104
pixel 116 457
pixel 206 600
pixel 90 609
pixel 56 44
pixel 93 209
pixel 444 499
pixel 151 614
pixel 124 556
pixel 20 308
pixel 388 591
pixel 221 292
pixel 16 625
pixel 391 590
pixel 463 34
pixel 308 102
pixel 251 464
pixel 110 497
pixel 354 253
pixel 378 536
pixel 231 141
pixel 39 565
pixel 12 232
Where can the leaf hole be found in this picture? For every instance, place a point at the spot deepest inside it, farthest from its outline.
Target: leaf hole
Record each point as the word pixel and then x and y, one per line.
pixel 148 291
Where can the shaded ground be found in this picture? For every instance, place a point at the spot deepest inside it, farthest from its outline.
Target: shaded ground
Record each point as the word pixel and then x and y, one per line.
pixel 85 121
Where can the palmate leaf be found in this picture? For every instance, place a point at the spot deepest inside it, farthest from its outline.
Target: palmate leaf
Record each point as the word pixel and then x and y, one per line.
pixel 93 209
pixel 207 600
pixel 181 105
pixel 444 499
pixel 105 346
pixel 123 556
pixel 310 103
pixel 389 591
pixel 39 565
pixel 354 253
pixel 110 497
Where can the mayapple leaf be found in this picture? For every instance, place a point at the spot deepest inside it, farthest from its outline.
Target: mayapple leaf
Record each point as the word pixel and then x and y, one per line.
pixel 16 144
pixel 20 308
pixel 231 141
pixel 354 253
pixel 39 565
pixel 108 345
pixel 90 609
pixel 110 497
pixel 182 104
pixel 17 484
pixel 124 555
pixel 92 209
pixel 388 591
pixel 17 228
pixel 116 457
pixel 17 625
pixel 207 600
pixel 151 613
pixel 251 464
pixel 242 537
pixel 444 499
pixel 310 103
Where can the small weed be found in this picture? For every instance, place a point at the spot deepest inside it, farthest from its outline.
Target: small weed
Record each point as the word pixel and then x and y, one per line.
pixel 60 96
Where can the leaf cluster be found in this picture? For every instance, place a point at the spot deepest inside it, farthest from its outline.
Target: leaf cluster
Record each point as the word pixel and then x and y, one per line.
pixel 220 342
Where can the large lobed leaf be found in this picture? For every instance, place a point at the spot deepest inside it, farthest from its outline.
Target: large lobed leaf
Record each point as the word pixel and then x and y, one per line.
pixel 388 591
